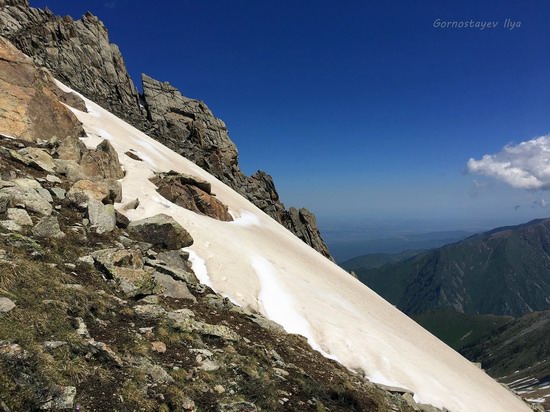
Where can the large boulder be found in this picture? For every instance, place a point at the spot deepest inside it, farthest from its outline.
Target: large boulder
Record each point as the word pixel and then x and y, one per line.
pixel 162 231
pixel 102 217
pixel 85 191
pixel 102 162
pixel 48 228
pixel 127 269
pixel 30 198
pixel 191 193
pixel 30 108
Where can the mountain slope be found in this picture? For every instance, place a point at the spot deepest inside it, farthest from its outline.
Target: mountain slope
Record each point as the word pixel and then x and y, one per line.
pixel 502 272
pixel 79 53
pixel 518 354
pixel 258 264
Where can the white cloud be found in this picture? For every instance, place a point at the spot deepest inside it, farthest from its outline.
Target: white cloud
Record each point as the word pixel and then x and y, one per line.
pixel 540 203
pixel 525 166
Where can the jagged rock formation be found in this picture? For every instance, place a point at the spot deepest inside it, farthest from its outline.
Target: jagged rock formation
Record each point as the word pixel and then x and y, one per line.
pixel 78 52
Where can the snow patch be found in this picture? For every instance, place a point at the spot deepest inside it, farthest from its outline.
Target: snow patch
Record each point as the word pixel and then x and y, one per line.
pixel 199 267
pixel 278 306
pixel 246 219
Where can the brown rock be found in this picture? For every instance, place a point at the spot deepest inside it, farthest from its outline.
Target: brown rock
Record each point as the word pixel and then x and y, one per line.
pixel 159 347
pixel 29 108
pixel 70 148
pixel 192 194
pixel 105 191
pixel 102 162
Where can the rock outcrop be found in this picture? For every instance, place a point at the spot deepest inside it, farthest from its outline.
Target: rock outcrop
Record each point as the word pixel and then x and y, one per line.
pixel 79 53
pixel 191 193
pixel 29 106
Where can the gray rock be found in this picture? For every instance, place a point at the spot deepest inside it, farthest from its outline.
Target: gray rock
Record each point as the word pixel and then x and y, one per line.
pixel 48 228
pixel 126 268
pixel 53 179
pixel 185 274
pixel 173 288
pixel 237 407
pixel 38 158
pixel 45 194
pixel 149 311
pixel 81 328
pixel 162 231
pixel 71 170
pixel 155 372
pixel 61 398
pixel 101 216
pixel 10 226
pixel 30 199
pixel 58 192
pixel 6 305
pixel 19 216
pixel 84 191
pixel 26 183
pixel 86 259
pixel 54 344
pixel 5 201
pixel 409 400
pixel 12 351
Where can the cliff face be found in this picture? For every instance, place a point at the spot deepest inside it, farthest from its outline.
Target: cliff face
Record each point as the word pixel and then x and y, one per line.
pixel 78 52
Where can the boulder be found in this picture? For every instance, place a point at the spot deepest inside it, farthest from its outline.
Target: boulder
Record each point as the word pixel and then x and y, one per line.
pixel 60 398
pixel 191 193
pixel 84 191
pixel 29 198
pixel 38 159
pixel 70 149
pixel 19 216
pixel 48 227
pixel 71 170
pixel 10 226
pixel 102 217
pixel 6 305
pixel 126 268
pixel 169 287
pixel 237 407
pixel 102 162
pixel 162 231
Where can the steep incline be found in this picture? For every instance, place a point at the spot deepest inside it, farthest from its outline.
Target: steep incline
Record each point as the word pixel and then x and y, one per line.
pixel 79 53
pixel 261 266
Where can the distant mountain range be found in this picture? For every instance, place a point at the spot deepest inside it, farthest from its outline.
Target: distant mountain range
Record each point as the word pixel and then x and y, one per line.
pixel 343 251
pixel 505 271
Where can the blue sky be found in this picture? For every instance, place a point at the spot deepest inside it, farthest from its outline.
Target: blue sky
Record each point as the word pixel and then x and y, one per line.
pixel 358 109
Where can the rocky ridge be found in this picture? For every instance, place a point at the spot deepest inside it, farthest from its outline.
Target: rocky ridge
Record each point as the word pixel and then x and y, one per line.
pixel 79 53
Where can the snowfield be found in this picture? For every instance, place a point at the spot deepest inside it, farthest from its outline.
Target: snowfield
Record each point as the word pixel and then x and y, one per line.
pixel 260 265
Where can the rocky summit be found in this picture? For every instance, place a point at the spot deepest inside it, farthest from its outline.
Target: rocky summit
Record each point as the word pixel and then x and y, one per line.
pixel 78 52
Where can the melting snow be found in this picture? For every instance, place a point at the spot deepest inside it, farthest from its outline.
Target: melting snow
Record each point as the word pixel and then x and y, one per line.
pixel 199 267
pixel 246 219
